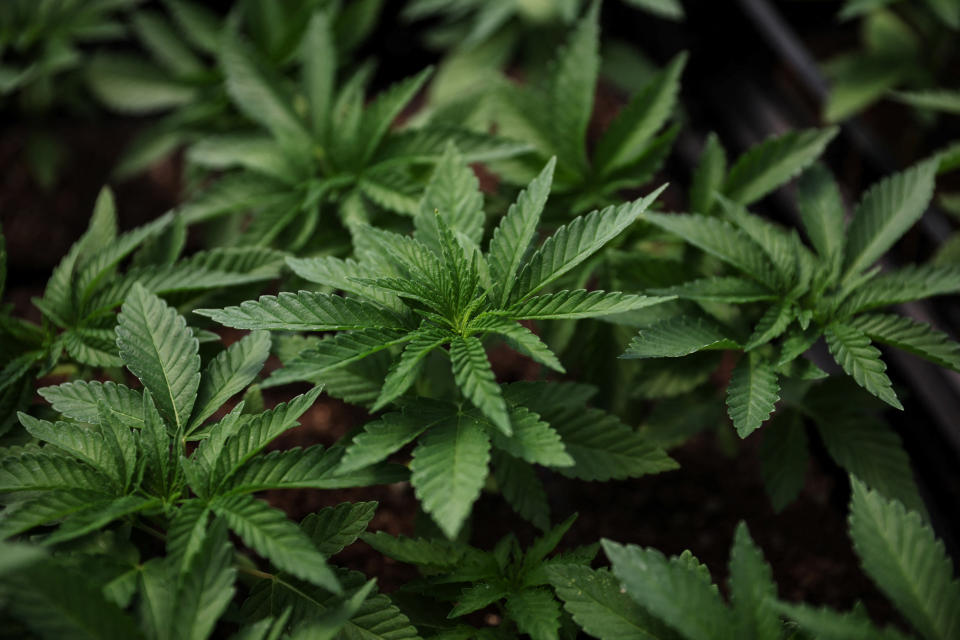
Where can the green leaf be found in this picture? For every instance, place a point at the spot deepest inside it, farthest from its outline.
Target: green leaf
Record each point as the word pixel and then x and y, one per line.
pixel 206 589
pixel 575 242
pixel 80 441
pixel 453 194
pixel 186 535
pixel 678 336
pixel 99 515
pixel 676 589
pixel 852 350
pixel 936 99
pixel 229 373
pixel 536 612
pixel 257 94
pixel 752 589
pixel 773 162
pixel 49 507
pixel 330 624
pixel 727 289
pixel 668 9
pixel 721 239
pixel 333 528
pixel 385 108
pixel 602 447
pixel 916 337
pixel 79 400
pixel 828 624
pixel 133 85
pixel 872 452
pixel 708 176
pixel 783 459
pixel 595 600
pixel 268 532
pixel 571 88
pixel 434 553
pixel 478 596
pixel 579 303
pixel 521 488
pixel 403 373
pixel 158 347
pixel 520 338
pixel 532 440
pixel 885 212
pixel 474 377
pixel 390 433
pixel 319 59
pixel 304 311
pixel 902 556
pixel 904 285
pixel 821 209
pixel 630 133
pixel 516 230
pixel 752 394
pixel 449 469
pixel 41 471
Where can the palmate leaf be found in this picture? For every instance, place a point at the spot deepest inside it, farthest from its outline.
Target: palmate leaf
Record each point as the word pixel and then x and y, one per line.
pixel 575 242
pixel 831 625
pixel 752 589
pixel 206 589
pixel 899 552
pixel 48 507
pixel 99 515
pixel 346 275
pixel 774 321
pixel 728 289
pixel 752 394
pixel 630 133
pixel 390 433
pixel 472 372
pixel 333 528
pixel 81 441
pixel 903 285
pixel 532 440
pixel 385 108
pixel 403 372
pixel 721 239
pixel 271 534
pixel 936 99
pixel 773 162
pixel 304 311
pixel 158 347
pixel 676 590
pixel 478 596
pixel 449 469
pixel 678 336
pixel 186 534
pixel 885 213
pixel 852 350
pixel 579 303
pixel 516 230
pixel 229 373
pixel 595 600
pixel 536 612
pixel 916 337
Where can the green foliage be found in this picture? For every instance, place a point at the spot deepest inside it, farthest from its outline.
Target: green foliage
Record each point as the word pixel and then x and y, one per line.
pixel 119 462
pixel 626 156
pixel 436 289
pixel 463 579
pixel 792 296
pixel 88 285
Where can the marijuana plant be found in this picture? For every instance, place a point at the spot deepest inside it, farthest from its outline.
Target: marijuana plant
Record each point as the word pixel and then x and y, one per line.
pixel 806 296
pixel 120 455
pixel 459 579
pixel 85 288
pixel 674 597
pixel 335 149
pixel 909 49
pixel 626 156
pixel 180 75
pixel 436 293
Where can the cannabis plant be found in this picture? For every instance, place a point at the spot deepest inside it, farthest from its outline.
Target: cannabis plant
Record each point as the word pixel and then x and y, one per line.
pixel 909 51
pixel 335 150
pixel 674 597
pixel 626 156
pixel 79 302
pixel 834 293
pixel 180 76
pixel 40 49
pixel 435 294
pixel 459 579
pixel 118 463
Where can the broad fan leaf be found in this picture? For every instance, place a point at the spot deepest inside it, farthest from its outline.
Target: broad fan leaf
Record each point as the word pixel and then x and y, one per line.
pixel 473 375
pixel 852 350
pixel 304 311
pixel 678 336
